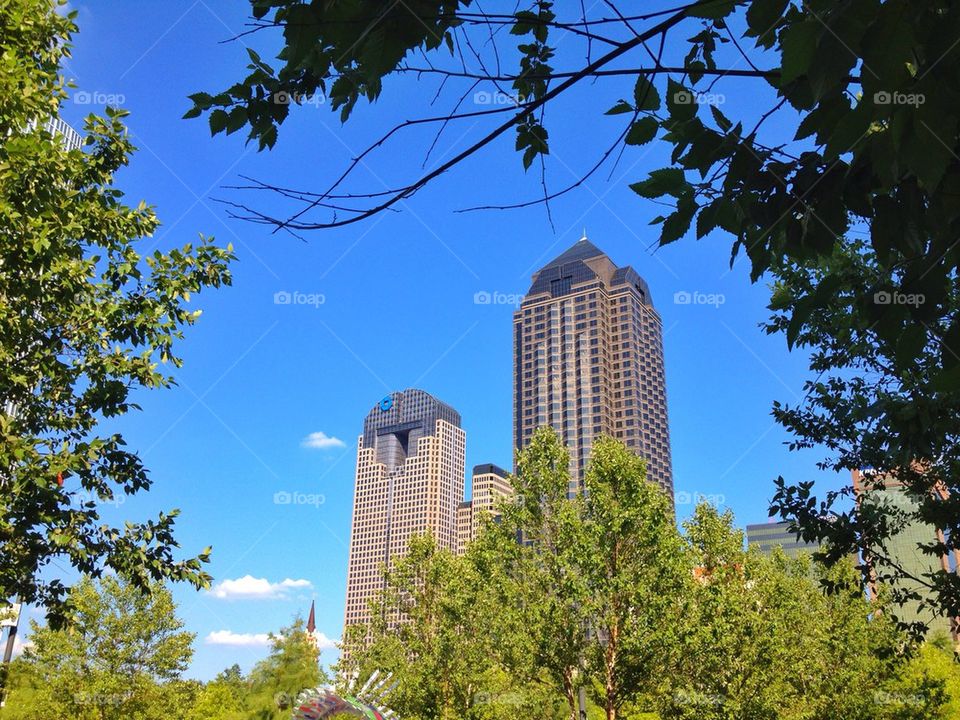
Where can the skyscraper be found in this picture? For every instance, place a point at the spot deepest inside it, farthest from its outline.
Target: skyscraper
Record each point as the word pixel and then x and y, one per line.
pixel 588 361
pixel 490 484
pixel 769 535
pixel 409 481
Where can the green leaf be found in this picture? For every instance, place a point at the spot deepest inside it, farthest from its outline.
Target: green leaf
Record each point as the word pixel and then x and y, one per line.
pixel 218 121
pixel 621 107
pixel 799 42
pixel 645 94
pixel 762 15
pixel 711 9
pixel 666 181
pixel 642 131
pixel 678 222
pixel 681 102
pixel 718 117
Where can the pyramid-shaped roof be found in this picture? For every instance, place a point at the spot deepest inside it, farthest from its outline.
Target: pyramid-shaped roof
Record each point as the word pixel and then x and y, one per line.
pixel 582 249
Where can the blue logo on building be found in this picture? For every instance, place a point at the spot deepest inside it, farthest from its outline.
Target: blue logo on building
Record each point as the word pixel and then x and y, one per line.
pixel 386 403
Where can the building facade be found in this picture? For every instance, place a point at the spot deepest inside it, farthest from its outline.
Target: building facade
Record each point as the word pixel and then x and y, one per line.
pixel 588 361
pixel 767 536
pixel 490 483
pixel 904 547
pixel 409 481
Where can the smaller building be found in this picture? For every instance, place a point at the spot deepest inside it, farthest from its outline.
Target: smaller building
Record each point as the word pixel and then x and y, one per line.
pixel 490 484
pixel 769 535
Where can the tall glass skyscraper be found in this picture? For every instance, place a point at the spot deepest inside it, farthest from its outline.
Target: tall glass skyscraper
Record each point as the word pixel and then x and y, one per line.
pixel 410 481
pixel 588 361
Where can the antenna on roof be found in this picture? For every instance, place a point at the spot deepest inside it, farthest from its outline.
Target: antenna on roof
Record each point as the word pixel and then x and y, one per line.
pixel 584 236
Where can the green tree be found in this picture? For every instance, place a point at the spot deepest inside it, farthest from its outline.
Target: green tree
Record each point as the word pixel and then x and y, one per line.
pixel 121 657
pixel 851 129
pixel 543 576
pixel 86 317
pixel 223 698
pixel 761 639
pixel 275 681
pixel 637 575
pixel 439 630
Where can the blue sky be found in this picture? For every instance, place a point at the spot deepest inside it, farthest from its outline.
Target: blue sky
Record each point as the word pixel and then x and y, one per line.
pixel 397 311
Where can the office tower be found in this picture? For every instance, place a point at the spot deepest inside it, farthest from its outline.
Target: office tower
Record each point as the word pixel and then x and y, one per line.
pixel 904 547
pixel 70 138
pixel 769 535
pixel 490 484
pixel 409 481
pixel 588 361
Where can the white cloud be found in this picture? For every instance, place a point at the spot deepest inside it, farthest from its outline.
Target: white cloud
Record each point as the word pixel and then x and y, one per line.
pixel 321 441
pixel 19 645
pixel 226 637
pixel 323 642
pixel 251 588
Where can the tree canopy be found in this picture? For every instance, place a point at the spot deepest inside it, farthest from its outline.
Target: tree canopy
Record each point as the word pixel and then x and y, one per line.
pixel 605 593
pixel 836 176
pixel 89 312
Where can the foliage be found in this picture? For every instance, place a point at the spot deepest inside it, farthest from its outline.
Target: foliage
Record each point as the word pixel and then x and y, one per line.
pixel 851 128
pixel 223 698
pixel 276 680
pixel 121 657
pixel 86 316
pixel 603 591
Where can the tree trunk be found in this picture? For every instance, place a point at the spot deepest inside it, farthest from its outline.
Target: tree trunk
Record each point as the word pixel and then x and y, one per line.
pixel 610 665
pixel 570 690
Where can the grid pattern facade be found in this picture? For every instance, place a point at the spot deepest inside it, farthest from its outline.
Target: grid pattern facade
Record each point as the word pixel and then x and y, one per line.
pixel 903 548
pixel 767 536
pixel 490 484
pixel 70 138
pixel 588 361
pixel 409 481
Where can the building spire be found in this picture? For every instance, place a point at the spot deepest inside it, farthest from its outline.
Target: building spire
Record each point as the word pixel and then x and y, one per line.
pixel 584 236
pixel 312 619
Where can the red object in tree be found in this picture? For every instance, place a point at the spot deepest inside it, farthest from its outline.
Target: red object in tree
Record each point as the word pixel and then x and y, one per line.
pixel 60 479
